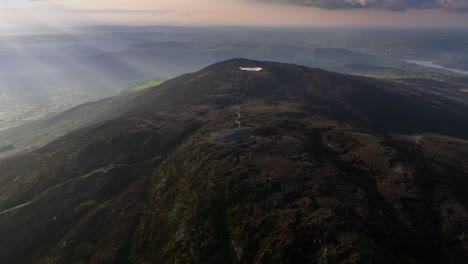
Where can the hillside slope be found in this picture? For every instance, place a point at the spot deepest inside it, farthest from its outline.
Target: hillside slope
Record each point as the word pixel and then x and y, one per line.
pixel 286 165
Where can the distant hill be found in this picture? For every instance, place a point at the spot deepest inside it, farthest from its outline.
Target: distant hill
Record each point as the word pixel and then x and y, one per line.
pixel 286 165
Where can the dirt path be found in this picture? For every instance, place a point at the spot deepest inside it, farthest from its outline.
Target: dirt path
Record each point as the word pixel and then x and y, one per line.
pixel 37 198
pixel 241 98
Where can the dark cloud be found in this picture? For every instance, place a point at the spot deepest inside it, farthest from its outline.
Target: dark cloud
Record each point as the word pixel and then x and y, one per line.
pixel 395 5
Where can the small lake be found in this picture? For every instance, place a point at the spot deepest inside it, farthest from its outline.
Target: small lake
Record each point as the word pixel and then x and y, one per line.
pixel 435 66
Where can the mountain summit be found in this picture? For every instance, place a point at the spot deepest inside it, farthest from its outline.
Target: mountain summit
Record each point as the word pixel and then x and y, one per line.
pixel 286 164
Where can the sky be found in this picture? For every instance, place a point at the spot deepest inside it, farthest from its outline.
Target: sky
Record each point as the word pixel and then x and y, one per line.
pixel 31 14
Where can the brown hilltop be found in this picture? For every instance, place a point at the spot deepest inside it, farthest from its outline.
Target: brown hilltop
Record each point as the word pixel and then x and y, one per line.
pixel 309 176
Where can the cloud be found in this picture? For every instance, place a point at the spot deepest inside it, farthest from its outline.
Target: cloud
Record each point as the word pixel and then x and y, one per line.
pixel 395 5
pixel 73 9
pixel 116 11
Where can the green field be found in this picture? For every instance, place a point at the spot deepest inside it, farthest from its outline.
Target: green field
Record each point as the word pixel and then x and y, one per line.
pixel 148 84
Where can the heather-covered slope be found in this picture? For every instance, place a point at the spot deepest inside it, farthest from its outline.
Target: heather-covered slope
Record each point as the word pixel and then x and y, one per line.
pixel 286 165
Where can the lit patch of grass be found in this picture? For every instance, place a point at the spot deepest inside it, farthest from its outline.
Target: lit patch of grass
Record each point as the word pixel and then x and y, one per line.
pixel 445 137
pixel 417 137
pixel 148 84
pixel 88 204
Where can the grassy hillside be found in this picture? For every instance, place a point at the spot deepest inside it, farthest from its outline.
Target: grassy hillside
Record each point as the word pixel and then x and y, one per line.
pixel 147 85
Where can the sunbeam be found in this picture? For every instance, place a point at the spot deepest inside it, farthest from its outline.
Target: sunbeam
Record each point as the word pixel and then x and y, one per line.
pixel 233 131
